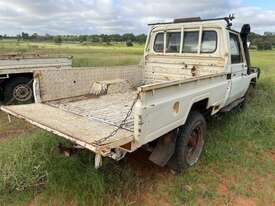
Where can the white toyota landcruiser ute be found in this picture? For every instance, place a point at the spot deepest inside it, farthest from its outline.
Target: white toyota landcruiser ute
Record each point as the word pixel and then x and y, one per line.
pixel 192 69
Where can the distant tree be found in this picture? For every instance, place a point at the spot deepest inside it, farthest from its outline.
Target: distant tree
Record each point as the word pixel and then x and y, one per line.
pixel 48 37
pixel 70 38
pixel 82 38
pixel 34 36
pixel 264 45
pixel 25 36
pixel 1 37
pixel 262 42
pixel 128 37
pixel 115 38
pixel 105 38
pixel 253 38
pixel 141 38
pixel 18 37
pixel 267 33
pixel 57 39
pixel 94 38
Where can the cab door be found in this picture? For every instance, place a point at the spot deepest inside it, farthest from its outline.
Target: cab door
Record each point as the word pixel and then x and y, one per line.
pixel 238 68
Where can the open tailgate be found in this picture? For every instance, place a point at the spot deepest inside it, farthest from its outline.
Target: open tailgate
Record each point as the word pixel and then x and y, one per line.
pixel 78 129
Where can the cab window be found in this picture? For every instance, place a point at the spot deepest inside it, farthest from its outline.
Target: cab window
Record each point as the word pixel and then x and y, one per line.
pixel 235 47
pixel 190 42
pixel 209 42
pixel 173 42
pixel 159 43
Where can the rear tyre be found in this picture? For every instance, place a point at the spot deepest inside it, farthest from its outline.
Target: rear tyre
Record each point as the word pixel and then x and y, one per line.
pixel 19 91
pixel 190 141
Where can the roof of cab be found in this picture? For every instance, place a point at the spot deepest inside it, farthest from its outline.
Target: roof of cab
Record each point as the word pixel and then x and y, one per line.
pixel 227 20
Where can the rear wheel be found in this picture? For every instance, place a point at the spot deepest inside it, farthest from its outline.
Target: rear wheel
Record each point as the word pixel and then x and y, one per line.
pixel 19 91
pixel 190 141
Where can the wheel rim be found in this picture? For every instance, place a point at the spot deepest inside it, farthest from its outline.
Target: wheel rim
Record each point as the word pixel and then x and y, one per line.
pixel 195 144
pixel 22 93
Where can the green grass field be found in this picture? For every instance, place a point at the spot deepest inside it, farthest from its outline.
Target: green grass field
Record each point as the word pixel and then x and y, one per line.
pixel 237 166
pixel 104 55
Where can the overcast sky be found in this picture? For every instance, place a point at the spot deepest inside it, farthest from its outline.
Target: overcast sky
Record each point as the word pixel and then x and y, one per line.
pixel 121 16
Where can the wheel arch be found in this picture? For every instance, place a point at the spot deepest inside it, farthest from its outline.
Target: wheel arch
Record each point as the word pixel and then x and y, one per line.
pixel 166 144
pixel 202 106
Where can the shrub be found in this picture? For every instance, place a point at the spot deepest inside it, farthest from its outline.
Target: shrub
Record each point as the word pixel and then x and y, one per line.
pixel 58 40
pixel 253 47
pixel 129 43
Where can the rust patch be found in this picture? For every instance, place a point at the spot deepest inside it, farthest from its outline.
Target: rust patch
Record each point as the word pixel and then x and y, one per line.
pixel 195 71
pixel 127 146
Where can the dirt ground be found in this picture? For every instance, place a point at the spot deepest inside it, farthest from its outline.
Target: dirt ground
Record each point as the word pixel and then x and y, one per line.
pixel 14 128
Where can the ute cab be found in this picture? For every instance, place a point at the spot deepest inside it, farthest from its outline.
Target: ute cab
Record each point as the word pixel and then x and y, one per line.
pixel 205 47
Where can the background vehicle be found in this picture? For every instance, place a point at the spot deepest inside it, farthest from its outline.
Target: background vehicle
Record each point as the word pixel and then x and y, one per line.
pixel 16 75
pixel 192 68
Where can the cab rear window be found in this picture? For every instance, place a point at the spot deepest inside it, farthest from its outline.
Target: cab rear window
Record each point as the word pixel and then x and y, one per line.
pixel 190 42
pixel 209 42
pixel 173 42
pixel 159 43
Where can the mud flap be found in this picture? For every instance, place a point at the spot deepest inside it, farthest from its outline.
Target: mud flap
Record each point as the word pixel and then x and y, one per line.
pixel 164 150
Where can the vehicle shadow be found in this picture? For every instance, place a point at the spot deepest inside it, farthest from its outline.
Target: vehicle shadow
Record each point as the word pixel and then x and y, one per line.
pixel 141 179
pixel 140 164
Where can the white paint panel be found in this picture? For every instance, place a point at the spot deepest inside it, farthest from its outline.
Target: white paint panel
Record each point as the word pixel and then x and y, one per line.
pixel 7 64
pixel 155 115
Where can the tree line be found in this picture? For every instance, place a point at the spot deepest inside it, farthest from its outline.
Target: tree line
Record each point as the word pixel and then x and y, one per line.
pixel 262 42
pixel 101 38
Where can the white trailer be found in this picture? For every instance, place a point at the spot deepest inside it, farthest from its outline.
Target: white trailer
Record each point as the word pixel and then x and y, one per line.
pixel 192 69
pixel 16 74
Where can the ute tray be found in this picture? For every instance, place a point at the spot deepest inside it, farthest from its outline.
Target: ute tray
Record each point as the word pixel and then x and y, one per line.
pixel 79 129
